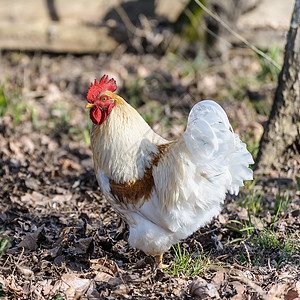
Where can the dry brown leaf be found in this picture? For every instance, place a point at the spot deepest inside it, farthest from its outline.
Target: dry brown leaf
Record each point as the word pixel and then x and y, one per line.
pixel 71 284
pixel 288 290
pixel 32 183
pixel 115 281
pixel 46 286
pixel 99 263
pixel 257 129
pixel 61 198
pixel 243 277
pixel 29 242
pixel 84 244
pixel 27 144
pixel 222 219
pixel 102 277
pixel 14 147
pixel 66 163
pixel 27 272
pixel 240 289
pixel 200 289
pixel 140 264
pixel 9 284
pixel 35 199
pixel 121 289
pixel 219 278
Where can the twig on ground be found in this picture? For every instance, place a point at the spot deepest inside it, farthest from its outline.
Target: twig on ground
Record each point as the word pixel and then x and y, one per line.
pixel 248 255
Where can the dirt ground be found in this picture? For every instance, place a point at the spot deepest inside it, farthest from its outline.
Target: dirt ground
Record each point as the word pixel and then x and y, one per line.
pixel 60 239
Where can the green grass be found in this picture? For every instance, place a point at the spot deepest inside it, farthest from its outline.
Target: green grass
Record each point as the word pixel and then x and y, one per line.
pixel 266 244
pixel 269 71
pixel 188 264
pixel 2 293
pixel 59 117
pixel 253 202
pixel 3 244
pixel 12 103
pixel 187 68
pixel 283 247
pixel 57 297
pixel 3 100
pixel 134 92
pixel 188 23
pixel 281 204
pixel 267 241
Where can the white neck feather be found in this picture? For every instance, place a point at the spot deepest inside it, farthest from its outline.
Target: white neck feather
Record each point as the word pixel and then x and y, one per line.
pixel 123 143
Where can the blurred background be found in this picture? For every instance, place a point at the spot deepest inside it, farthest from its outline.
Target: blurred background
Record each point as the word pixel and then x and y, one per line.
pixel 165 55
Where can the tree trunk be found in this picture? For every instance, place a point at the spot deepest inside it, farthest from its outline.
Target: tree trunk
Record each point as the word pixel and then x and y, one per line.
pixel 283 128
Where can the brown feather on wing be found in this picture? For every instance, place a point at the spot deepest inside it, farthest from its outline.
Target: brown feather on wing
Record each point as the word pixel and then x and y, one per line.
pixel 133 192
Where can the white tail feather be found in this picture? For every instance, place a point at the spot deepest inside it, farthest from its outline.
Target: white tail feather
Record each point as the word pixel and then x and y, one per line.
pixel 209 134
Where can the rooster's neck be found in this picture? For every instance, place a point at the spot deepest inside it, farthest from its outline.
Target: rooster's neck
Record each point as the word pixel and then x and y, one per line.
pixel 123 145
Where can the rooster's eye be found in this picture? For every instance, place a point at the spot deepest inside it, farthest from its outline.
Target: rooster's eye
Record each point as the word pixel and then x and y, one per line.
pixel 104 99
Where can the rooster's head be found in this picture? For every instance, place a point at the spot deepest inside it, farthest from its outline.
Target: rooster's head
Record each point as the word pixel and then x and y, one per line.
pixel 99 97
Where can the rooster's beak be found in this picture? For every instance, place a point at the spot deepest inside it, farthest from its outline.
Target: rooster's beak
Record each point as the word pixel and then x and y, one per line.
pixel 89 105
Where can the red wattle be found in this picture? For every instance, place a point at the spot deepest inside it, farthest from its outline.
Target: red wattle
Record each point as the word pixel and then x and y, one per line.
pixel 103 117
pixel 96 115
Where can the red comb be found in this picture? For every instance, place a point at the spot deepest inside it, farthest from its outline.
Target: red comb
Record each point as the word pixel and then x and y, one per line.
pixel 103 85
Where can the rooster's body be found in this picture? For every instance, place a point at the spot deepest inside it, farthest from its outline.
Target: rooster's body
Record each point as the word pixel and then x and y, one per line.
pixel 165 190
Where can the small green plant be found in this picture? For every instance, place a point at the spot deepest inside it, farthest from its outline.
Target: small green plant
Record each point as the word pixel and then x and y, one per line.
pixel 291 246
pixel 3 100
pixel 3 244
pixel 135 92
pixel 12 104
pixel 250 184
pixel 268 70
pixel 57 297
pixel 189 21
pixel 268 239
pixel 252 202
pixel 185 67
pixel 284 245
pixel 281 204
pixel 60 116
pixel 33 117
pixel 245 231
pixel 2 293
pixel 188 264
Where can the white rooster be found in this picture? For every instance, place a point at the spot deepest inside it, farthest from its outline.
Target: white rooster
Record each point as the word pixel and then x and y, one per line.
pixel 164 190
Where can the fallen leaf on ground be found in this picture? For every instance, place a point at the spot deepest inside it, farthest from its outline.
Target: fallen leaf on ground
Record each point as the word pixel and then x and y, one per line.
pixel 73 285
pixel 200 289
pixel 29 242
pixel 219 278
pixel 27 272
pixel 104 264
pixel 102 277
pixel 240 289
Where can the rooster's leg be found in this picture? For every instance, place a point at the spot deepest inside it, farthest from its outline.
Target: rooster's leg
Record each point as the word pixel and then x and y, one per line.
pixel 158 262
